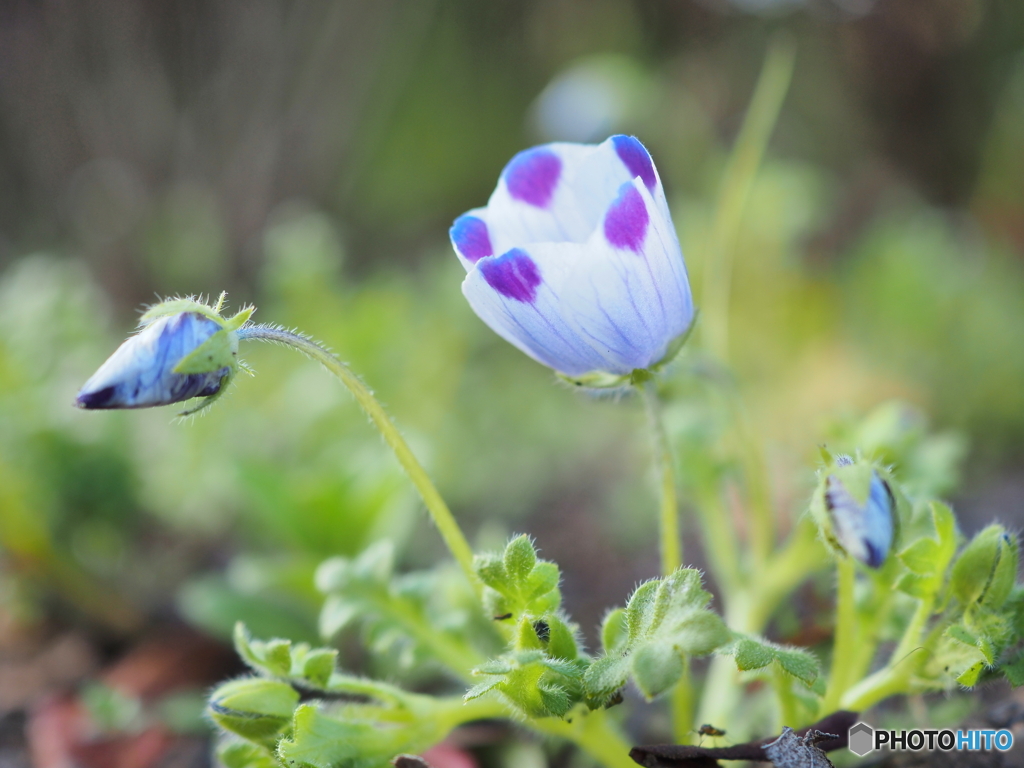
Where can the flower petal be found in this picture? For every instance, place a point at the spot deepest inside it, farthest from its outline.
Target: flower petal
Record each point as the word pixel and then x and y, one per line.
pixel 559 192
pixel 630 297
pixel 139 374
pixel 471 238
pixel 517 294
pixel 865 531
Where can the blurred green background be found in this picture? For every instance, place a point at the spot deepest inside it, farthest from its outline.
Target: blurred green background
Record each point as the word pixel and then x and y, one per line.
pixel 309 157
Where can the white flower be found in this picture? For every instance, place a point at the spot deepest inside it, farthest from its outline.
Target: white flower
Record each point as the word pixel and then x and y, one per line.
pixel 575 260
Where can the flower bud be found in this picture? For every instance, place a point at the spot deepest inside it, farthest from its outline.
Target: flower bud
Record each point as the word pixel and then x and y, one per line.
pixel 184 349
pixel 856 511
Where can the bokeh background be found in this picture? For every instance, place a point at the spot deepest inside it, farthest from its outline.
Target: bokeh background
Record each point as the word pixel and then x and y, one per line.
pixel 309 157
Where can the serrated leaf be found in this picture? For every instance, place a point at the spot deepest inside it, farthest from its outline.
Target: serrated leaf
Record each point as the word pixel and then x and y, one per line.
pixel 519 559
pixel 323 742
pixel 969 677
pixel 974 568
pixel 613 631
pixel 800 664
pixel 656 668
pixel 517 582
pixel 605 676
pixel 254 708
pixel 664 620
pixel 480 689
pixel 752 655
pixel 1004 575
pixel 699 632
pixel 318 666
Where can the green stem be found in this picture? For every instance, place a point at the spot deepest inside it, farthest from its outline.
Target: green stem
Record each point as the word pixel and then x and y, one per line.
pixel 671 546
pixel 844 643
pixel 671 543
pixel 594 735
pixel 894 677
pixel 720 540
pixel 801 556
pixel 682 706
pixel 787 701
pixel 442 516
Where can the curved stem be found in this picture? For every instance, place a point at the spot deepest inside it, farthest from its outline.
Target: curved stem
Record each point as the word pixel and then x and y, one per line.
pixel 669 536
pixel 442 516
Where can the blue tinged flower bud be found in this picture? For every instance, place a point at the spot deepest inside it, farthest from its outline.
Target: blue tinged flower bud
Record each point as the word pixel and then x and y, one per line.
pixel 576 262
pixel 857 511
pixel 184 349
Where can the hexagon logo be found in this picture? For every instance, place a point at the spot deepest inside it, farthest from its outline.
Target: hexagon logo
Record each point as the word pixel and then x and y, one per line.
pixel 861 739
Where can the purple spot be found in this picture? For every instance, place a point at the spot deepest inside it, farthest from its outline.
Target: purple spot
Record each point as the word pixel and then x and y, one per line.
pixel 513 274
pixel 635 157
pixel 625 224
pixel 532 176
pixel 471 238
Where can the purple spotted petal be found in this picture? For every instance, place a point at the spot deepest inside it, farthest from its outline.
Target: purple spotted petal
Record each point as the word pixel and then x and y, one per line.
pixel 513 274
pixel 471 238
pixel 625 225
pixel 636 158
pixel 532 176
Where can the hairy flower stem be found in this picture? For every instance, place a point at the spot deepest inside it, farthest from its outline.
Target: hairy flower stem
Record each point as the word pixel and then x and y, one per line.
pixel 669 535
pixel 844 643
pixel 442 516
pixel 894 677
pixel 671 543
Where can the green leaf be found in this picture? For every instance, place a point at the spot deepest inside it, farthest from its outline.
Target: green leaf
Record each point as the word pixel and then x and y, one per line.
pixel 240 754
pixel 656 668
pixel 519 559
pixel 664 621
pixel 604 677
pixel 753 653
pixel 517 582
pixel 1014 670
pixel 533 682
pixel 977 569
pixel 300 664
pixel 613 631
pixel 256 709
pixel 410 619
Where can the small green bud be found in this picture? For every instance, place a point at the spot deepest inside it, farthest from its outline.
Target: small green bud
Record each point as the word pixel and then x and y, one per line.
pixel 986 570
